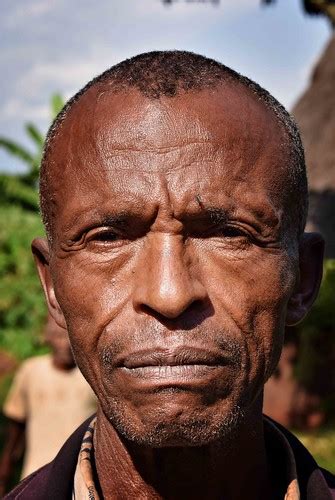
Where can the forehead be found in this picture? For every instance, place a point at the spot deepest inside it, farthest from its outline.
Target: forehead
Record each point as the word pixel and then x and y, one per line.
pixel 220 143
pixel 230 116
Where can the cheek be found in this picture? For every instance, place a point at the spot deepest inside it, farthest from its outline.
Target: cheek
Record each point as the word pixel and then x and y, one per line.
pixel 91 293
pixel 89 288
pixel 250 296
pixel 254 283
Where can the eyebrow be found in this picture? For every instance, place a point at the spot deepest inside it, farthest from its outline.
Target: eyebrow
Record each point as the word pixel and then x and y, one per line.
pixel 217 215
pixel 96 219
pixel 214 214
pixel 116 219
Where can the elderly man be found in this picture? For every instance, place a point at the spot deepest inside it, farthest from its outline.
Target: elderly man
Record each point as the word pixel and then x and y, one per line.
pixel 174 196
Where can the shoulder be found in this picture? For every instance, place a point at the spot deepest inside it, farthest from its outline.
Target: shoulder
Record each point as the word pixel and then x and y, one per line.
pixel 35 363
pixel 53 481
pixel 312 478
pixel 32 487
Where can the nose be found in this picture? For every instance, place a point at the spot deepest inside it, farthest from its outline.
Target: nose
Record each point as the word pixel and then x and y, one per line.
pixel 165 282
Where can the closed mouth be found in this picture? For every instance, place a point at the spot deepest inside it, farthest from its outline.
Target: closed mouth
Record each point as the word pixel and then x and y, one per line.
pixel 171 372
pixel 173 361
pixel 183 367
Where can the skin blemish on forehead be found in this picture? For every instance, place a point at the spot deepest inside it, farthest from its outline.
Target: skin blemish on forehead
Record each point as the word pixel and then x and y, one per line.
pixel 198 199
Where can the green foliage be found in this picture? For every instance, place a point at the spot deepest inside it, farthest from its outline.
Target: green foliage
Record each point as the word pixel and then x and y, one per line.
pixel 57 104
pixel 22 308
pixel 322 315
pixel 22 189
pixel 31 160
pixel 317 344
pixel 16 190
pixel 35 135
pixel 17 150
pixel 321 444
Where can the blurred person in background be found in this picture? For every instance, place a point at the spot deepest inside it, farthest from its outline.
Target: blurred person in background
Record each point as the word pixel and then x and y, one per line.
pixel 48 399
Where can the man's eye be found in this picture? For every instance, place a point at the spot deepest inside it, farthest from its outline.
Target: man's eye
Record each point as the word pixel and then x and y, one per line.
pixel 232 232
pixel 107 236
pixel 103 236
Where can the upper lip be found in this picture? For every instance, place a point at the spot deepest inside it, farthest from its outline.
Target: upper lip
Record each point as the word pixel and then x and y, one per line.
pixel 184 355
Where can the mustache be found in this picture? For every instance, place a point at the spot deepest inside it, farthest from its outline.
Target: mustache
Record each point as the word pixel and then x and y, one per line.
pixel 222 350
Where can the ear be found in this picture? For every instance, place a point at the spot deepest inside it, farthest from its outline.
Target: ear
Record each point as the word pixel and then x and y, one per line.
pixel 311 250
pixel 41 252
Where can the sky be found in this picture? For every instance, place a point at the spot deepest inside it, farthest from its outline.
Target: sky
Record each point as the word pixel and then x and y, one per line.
pixel 49 46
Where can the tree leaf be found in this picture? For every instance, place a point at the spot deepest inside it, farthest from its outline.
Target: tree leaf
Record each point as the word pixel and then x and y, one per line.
pixel 35 135
pixel 17 150
pixel 57 104
pixel 15 191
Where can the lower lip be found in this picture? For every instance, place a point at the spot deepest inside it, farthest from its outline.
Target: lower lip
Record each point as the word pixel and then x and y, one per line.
pixel 173 375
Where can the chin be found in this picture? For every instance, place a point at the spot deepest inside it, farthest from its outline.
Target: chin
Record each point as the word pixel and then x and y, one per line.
pixel 158 429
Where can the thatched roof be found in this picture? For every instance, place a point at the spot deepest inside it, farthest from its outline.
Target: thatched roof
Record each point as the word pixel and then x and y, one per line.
pixel 315 115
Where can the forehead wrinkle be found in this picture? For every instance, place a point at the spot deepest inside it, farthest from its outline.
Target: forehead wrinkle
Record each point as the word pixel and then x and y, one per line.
pixel 239 148
pixel 170 113
pixel 169 159
pixel 160 149
pixel 147 121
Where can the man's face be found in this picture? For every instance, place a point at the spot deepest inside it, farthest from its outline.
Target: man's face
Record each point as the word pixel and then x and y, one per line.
pixel 169 259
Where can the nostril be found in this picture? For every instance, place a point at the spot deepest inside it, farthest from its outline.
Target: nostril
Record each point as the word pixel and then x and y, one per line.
pixel 187 319
pixel 153 313
pixel 143 308
pixel 197 306
pixel 161 316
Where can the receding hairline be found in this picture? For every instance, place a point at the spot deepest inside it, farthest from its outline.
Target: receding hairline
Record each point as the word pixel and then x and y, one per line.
pixel 123 78
pixel 130 102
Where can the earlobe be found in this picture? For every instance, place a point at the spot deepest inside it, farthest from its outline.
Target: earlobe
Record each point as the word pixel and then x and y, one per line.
pixel 311 252
pixel 40 249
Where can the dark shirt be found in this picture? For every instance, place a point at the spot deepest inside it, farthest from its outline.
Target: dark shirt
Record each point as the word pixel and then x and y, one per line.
pixel 294 471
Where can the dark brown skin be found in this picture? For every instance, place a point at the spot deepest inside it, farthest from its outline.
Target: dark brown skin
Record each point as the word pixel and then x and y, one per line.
pixel 175 270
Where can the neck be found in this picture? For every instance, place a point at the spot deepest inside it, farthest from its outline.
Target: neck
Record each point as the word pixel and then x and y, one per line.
pixel 62 365
pixel 213 471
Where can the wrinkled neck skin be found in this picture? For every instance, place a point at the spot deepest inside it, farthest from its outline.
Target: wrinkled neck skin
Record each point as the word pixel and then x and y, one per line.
pixel 214 471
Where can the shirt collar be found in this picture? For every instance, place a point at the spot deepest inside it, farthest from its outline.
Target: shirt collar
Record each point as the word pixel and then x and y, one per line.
pixel 84 487
pixel 284 470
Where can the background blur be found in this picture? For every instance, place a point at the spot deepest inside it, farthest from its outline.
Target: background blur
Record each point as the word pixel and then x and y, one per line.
pixel 56 45
pixel 51 48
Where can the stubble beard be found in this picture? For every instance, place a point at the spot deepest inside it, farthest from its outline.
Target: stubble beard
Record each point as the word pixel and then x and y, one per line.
pixel 197 427
pixel 193 431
